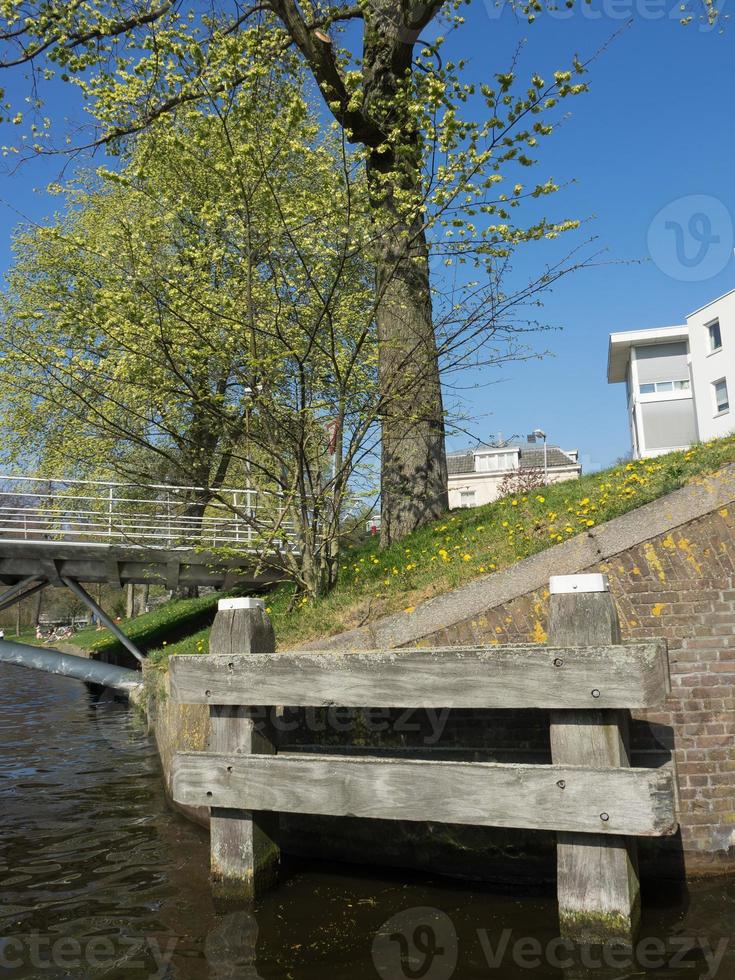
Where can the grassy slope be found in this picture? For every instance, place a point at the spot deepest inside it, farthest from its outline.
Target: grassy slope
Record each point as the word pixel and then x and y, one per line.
pixel 465 545
pixel 170 622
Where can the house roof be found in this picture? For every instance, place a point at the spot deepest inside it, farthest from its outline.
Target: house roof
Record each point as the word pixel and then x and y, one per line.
pixel 531 458
pixel 460 463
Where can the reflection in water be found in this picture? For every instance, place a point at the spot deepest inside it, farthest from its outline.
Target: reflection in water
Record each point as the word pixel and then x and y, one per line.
pixel 99 879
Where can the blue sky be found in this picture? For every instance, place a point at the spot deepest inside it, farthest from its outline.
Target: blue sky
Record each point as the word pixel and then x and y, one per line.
pixel 655 128
pixel 653 132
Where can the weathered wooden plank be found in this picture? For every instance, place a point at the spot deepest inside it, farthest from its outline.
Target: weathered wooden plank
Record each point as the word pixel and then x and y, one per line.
pixel 597 875
pixel 244 853
pixel 588 800
pixel 604 676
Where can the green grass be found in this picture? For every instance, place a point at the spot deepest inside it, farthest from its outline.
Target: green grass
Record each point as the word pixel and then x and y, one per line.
pixel 156 629
pixel 468 544
pixel 26 635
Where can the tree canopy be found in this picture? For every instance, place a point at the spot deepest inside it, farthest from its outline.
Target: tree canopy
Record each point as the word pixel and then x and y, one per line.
pixel 444 162
pixel 201 315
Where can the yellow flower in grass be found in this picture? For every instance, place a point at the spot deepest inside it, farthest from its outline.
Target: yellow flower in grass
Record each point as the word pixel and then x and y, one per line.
pixel 466 557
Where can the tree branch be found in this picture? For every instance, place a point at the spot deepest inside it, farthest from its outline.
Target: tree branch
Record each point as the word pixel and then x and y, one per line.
pixel 114 30
pixel 320 56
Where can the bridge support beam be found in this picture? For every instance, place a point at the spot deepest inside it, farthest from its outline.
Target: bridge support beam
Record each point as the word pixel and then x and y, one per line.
pixel 111 625
pixel 17 594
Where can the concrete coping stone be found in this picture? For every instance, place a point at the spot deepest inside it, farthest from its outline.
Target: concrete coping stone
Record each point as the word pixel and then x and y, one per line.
pixel 244 603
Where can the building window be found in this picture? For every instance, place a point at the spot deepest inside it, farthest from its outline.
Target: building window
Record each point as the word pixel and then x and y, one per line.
pixel 662 386
pixel 494 462
pixel 722 402
pixel 715 335
pixel 467 498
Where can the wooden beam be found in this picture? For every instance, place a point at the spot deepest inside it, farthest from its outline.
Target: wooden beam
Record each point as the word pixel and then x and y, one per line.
pixel 245 857
pixel 597 876
pixel 584 799
pixel 609 676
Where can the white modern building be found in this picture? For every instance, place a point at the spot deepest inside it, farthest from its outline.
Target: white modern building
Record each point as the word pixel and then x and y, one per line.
pixel 678 379
pixel 476 475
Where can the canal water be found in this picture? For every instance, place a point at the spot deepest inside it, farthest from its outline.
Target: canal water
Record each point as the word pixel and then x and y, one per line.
pixel 98 878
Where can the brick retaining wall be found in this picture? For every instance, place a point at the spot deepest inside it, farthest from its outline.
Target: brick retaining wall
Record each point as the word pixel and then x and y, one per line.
pixel 671 566
pixel 679 584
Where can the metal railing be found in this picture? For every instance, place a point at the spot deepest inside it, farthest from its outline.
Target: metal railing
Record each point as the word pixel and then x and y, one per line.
pixel 154 515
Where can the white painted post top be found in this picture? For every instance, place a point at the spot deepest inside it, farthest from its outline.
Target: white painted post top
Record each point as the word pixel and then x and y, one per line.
pixel 246 603
pixel 564 584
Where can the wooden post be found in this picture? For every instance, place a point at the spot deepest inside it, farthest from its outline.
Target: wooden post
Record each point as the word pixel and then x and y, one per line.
pixel 599 892
pixel 245 857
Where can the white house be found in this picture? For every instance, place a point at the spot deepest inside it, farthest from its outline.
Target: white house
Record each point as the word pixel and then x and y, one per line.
pixel 475 475
pixel 678 379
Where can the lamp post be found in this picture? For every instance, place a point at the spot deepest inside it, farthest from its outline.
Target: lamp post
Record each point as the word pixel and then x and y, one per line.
pixel 532 437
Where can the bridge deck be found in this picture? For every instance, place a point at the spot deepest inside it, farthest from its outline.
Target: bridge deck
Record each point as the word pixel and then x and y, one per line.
pixel 120 565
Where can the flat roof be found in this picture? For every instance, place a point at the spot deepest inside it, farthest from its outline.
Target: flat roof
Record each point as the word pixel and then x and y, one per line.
pixel 712 302
pixel 618 352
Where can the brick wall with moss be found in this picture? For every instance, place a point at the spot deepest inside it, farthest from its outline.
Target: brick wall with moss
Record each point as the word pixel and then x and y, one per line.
pixel 680 585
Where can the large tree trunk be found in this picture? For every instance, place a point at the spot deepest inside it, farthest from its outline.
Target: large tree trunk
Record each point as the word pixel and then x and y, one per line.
pixel 414 465
pixel 414 469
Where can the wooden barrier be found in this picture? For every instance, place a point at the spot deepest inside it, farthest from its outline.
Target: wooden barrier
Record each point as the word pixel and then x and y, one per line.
pixel 244 854
pixel 597 874
pixel 590 795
